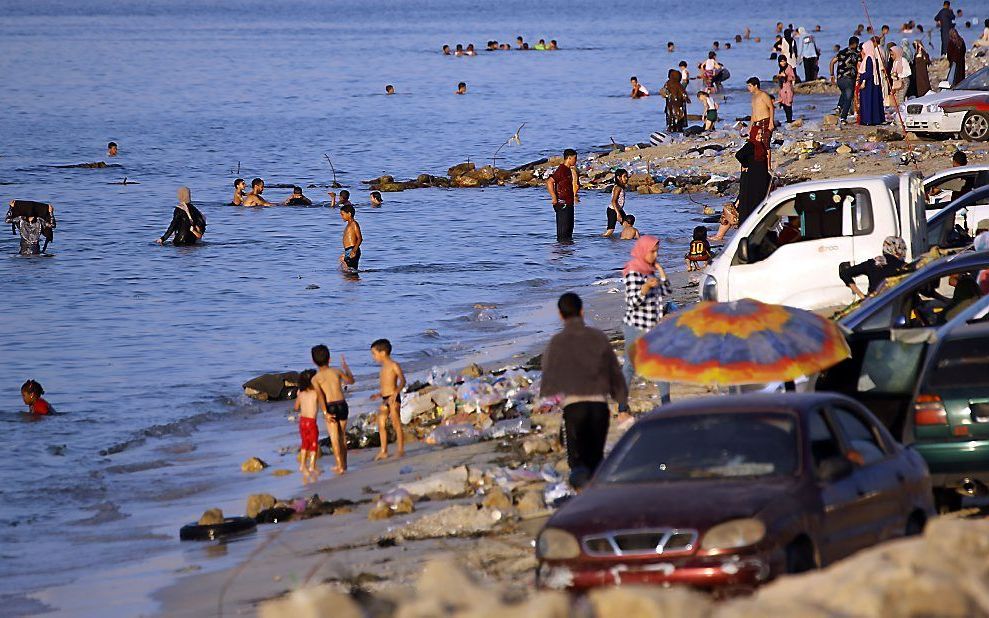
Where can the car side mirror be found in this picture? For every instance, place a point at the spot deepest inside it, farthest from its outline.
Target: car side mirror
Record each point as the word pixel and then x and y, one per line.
pixel 743 250
pixel 834 469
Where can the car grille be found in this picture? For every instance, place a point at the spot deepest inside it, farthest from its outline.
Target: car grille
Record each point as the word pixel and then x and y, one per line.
pixel 914 109
pixel 640 542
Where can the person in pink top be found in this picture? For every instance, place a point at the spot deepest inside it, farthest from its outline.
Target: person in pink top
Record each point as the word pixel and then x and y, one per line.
pixel 786 77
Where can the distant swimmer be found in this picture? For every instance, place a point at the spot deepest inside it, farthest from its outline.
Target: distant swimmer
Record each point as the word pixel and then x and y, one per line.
pixel 31 393
pixel 297 198
pixel 376 200
pixel 470 50
pixel 188 223
pixel 254 197
pixel 541 45
pixel 670 47
pixel 343 201
pixel 446 51
pixel 352 239
pixel 32 220
pixel 462 88
pixel 111 149
pixel 519 42
pixel 638 90
pixel 389 89
pixel 239 186
pixel 460 50
pixel 553 46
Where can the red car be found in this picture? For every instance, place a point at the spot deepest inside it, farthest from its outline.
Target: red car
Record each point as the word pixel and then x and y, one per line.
pixel 729 492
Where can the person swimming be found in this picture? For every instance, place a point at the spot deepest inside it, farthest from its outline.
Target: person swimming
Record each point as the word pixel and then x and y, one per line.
pixel 238 198
pixel 31 393
pixel 254 197
pixel 461 88
pixel 297 199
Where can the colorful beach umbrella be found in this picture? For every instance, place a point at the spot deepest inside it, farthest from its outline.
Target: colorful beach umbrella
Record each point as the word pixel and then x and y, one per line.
pixel 736 343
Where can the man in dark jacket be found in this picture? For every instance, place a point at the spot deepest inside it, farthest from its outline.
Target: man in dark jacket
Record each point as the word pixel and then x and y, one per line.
pixel 580 365
pixel 562 187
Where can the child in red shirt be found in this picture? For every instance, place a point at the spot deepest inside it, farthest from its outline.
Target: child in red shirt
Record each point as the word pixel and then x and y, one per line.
pixel 32 393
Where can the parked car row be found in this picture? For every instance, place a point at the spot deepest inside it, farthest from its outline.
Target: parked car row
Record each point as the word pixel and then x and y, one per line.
pixel 726 493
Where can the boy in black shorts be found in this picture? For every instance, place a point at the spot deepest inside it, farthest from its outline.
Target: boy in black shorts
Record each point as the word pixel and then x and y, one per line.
pixel 329 388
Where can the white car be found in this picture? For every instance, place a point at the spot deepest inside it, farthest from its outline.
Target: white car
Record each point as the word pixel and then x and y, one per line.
pixel 926 115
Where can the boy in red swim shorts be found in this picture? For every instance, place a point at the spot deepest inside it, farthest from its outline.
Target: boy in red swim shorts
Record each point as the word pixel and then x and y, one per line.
pixel 31 393
pixel 307 404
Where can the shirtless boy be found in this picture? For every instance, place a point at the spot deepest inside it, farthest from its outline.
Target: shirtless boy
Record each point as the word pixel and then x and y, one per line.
pixel 763 119
pixel 254 197
pixel 352 239
pixel 344 199
pixel 391 383
pixel 329 388
pixel 239 186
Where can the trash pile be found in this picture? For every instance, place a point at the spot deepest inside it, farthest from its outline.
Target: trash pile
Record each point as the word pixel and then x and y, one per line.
pixel 456 410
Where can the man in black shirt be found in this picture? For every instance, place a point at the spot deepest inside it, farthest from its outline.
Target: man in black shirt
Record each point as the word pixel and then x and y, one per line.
pixel 844 69
pixel 945 19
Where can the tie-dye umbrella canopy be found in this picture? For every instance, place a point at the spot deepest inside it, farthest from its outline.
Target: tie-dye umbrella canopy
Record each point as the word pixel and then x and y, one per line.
pixel 736 343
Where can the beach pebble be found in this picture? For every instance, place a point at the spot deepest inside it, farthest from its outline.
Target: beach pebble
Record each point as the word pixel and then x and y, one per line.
pixel 254 464
pixel 451 483
pixel 259 502
pixel 536 445
pixel 531 503
pixel 844 149
pixel 282 472
pixel 497 499
pixel 211 517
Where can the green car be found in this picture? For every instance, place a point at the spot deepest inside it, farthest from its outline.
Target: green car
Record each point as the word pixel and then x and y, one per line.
pixel 930 386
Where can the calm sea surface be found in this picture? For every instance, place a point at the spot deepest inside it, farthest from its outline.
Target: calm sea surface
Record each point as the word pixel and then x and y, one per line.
pixel 143 348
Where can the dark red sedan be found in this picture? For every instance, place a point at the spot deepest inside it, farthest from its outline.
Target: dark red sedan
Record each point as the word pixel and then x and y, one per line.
pixel 729 492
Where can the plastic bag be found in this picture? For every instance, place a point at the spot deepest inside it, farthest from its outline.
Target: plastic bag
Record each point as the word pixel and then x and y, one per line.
pixel 454 435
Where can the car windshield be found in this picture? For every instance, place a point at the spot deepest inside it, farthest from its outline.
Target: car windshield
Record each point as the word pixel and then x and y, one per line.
pixel 976 81
pixel 709 446
pixel 962 363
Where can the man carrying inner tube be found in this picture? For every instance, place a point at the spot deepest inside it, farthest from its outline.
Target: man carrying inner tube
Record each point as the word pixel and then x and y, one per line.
pixel 32 220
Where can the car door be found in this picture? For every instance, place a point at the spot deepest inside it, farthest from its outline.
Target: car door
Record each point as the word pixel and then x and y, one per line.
pixel 880 479
pixel 841 504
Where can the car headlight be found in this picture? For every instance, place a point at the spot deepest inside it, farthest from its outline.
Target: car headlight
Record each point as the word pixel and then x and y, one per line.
pixel 734 534
pixel 934 108
pixel 709 291
pixel 556 544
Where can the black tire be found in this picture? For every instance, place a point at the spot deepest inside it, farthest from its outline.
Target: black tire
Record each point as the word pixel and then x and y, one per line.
pixel 915 524
pixel 975 127
pixel 947 500
pixel 230 526
pixel 800 557
pixel 275 515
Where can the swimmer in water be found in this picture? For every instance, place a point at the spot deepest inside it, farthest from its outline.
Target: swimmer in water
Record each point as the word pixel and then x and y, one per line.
pixel 239 186
pixel 376 200
pixel 446 50
pixel 670 47
pixel 352 239
pixel 462 88
pixel 31 393
pixel 297 198
pixel 254 197
pixel 111 149
pixel 389 89
pixel 638 90
pixel 553 46
pixel 343 201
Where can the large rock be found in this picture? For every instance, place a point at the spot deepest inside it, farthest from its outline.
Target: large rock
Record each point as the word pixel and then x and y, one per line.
pixel 531 503
pixel 464 181
pixel 637 180
pixel 526 176
pixel 259 502
pixel 460 169
pixel 498 500
pixel 273 386
pixel 391 187
pixel 311 602
pixel 211 517
pixel 451 483
pixel 254 464
pixel 844 149
pixel 456 520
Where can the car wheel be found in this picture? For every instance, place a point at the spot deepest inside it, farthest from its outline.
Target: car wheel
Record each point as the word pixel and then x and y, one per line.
pixel 800 557
pixel 947 500
pixel 975 127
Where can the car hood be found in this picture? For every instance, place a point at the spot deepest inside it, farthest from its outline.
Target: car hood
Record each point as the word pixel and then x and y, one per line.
pixel 942 97
pixel 683 504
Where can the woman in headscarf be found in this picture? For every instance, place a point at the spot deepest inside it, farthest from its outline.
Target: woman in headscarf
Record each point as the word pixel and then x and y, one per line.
pixel 786 78
pixel 956 57
pixel 876 269
pixel 645 282
pixel 870 86
pixel 188 223
pixel 676 102
pixel 900 74
pixel 753 183
pixel 920 82
pixel 788 47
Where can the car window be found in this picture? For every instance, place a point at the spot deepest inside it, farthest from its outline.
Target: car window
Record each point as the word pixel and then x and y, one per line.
pixel 961 363
pixel 823 443
pixel 976 81
pixel 861 437
pixel 940 299
pixel 706 446
pixel 890 367
pixel 943 191
pixel 811 215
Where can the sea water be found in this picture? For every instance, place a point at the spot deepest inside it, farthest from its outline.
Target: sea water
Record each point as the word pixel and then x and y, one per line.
pixel 143 349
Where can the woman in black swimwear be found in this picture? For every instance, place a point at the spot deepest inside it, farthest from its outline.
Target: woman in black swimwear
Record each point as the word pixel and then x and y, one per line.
pixel 188 223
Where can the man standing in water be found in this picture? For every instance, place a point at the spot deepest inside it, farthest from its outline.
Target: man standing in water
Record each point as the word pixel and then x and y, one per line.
pixel 352 239
pixel 254 197
pixel 562 187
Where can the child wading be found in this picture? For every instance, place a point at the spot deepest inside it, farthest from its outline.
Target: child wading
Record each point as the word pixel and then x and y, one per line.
pixel 628 228
pixel 306 404
pixel 31 393
pixel 616 209
pixel 710 110
pixel 329 385
pixel 391 383
pixel 700 249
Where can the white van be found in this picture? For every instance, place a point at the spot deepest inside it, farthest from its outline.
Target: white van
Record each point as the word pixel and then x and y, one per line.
pixel 789 250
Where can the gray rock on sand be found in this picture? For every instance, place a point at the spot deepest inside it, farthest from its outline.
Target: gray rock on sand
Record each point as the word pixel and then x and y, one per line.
pixel 259 502
pixel 456 520
pixel 211 517
pixel 452 483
